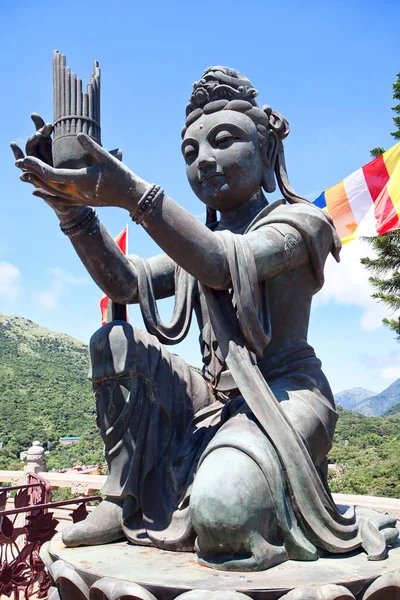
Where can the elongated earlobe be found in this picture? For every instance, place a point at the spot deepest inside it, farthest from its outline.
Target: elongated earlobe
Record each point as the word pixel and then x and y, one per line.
pixel 268 181
pixel 269 154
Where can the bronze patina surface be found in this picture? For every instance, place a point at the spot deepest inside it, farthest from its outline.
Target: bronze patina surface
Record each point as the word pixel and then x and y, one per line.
pixel 229 464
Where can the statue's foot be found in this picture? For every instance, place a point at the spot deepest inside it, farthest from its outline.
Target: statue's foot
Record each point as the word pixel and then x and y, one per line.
pixel 102 526
pixel 260 556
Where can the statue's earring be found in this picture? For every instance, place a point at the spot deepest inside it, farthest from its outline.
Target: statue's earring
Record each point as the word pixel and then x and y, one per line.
pixel 268 154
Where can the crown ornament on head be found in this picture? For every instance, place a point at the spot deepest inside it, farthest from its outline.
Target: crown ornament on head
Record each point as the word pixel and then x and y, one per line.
pixel 220 83
pixel 222 88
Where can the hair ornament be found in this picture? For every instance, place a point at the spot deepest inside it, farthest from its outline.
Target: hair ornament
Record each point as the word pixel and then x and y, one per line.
pixel 222 88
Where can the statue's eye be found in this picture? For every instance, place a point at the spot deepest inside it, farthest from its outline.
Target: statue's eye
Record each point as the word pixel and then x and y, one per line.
pixel 223 138
pixel 189 154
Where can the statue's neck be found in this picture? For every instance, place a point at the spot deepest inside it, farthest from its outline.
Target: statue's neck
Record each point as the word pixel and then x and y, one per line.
pixel 238 220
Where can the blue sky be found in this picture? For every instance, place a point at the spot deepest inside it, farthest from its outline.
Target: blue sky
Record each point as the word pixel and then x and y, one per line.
pixel 328 67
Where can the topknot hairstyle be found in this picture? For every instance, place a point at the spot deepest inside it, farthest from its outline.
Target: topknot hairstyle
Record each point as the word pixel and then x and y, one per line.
pixel 222 88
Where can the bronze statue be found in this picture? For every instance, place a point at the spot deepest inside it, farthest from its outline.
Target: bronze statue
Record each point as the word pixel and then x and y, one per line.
pixel 230 464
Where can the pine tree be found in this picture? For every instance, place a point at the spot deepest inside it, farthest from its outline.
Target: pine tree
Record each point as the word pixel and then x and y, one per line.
pixel 386 266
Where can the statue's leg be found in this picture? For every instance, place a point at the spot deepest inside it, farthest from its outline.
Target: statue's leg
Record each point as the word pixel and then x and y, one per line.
pixel 233 514
pixel 112 385
pixel 240 506
pixel 145 401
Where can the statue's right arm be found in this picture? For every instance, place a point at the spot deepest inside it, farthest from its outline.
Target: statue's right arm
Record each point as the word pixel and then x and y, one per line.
pixel 112 271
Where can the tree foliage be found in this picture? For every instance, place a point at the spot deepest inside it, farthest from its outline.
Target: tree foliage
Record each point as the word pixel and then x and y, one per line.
pixel 385 267
pixel 367 451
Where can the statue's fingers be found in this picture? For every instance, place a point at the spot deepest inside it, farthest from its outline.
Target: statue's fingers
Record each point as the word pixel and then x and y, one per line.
pixel 44 171
pixel 49 198
pixel 56 190
pixel 32 144
pixel 38 121
pixel 99 154
pixel 44 151
pixel 30 178
pixel 18 154
pixel 46 130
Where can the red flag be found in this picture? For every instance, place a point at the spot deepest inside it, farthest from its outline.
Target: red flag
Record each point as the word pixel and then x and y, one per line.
pixel 122 241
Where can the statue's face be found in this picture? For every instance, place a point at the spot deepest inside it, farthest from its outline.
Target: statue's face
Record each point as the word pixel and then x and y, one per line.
pixel 223 159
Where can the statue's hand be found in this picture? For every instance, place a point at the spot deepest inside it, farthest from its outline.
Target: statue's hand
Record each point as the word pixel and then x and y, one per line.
pixel 107 183
pixel 39 145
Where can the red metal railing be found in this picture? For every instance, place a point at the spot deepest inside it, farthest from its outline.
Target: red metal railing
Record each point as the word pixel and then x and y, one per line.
pixel 22 572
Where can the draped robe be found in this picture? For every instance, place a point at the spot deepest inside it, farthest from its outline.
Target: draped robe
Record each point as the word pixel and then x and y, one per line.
pixel 247 399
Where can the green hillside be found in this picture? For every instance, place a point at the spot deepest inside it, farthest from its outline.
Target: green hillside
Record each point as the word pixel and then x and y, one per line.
pixel 394 411
pixel 368 452
pixel 44 392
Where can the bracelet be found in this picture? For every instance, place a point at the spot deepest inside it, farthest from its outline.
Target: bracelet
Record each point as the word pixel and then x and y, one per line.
pixel 147 203
pixel 71 229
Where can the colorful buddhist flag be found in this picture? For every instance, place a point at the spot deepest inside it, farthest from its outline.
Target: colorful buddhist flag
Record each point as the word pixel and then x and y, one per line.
pixel 122 241
pixel 366 203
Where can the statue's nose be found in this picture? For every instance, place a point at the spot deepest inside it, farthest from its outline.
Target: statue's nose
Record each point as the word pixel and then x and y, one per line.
pixel 206 162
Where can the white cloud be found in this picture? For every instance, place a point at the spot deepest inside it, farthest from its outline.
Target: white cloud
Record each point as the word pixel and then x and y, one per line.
pixel 62 280
pixel 9 281
pixel 66 277
pixel 347 283
pixel 47 299
pixel 391 373
pixel 388 365
pixel 380 362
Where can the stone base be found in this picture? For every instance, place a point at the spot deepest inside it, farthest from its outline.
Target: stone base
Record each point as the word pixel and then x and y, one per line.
pixel 121 570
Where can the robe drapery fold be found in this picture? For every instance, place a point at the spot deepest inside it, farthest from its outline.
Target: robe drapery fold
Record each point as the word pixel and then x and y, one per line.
pixel 238 331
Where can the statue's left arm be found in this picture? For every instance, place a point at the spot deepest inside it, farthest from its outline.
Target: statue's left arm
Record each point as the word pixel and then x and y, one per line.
pixel 188 242
pixel 203 253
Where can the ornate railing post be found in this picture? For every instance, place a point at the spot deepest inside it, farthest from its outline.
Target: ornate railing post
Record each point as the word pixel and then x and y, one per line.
pixel 35 459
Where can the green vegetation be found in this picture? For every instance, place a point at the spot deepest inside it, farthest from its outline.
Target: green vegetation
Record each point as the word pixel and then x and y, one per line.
pixel 395 411
pixel 45 394
pixel 386 279
pixel 386 266
pixel 368 449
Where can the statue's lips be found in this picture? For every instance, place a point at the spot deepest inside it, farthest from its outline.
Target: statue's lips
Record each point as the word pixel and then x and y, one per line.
pixel 210 178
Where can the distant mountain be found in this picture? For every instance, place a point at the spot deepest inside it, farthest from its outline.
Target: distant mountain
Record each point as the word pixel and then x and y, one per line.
pixel 380 403
pixel 350 398
pixel 394 411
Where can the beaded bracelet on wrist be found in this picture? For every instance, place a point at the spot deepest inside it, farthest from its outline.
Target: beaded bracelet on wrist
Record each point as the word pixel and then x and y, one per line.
pixel 74 228
pixel 147 203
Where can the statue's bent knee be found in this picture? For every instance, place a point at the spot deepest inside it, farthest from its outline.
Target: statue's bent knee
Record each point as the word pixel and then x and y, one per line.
pixel 232 513
pixel 112 350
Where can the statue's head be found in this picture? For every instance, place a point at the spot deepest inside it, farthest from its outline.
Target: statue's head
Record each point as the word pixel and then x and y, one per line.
pixel 232 148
